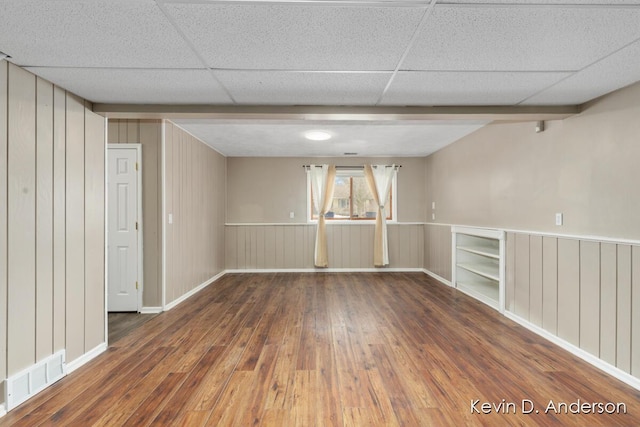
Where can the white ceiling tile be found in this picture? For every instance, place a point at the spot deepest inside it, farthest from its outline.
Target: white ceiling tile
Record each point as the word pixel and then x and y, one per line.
pixel 285 139
pixel 138 86
pixel 616 71
pixel 303 88
pixel 91 33
pixel 466 88
pixel 523 38
pixel 297 37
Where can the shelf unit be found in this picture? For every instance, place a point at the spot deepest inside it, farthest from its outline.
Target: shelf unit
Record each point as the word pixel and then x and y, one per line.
pixel 478 264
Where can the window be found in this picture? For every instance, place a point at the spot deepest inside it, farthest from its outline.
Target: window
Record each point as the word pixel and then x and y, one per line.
pixel 352 199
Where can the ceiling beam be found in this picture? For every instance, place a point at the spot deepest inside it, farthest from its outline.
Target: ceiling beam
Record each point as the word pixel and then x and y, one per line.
pixel 335 113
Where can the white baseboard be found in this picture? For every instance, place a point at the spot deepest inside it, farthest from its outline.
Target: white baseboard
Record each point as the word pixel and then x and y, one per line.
pixel 194 291
pixel 87 357
pixel 150 310
pixel 577 351
pixel 438 278
pixel 326 270
pixel 3 411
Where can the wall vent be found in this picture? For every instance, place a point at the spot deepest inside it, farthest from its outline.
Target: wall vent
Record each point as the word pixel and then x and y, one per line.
pixel 31 381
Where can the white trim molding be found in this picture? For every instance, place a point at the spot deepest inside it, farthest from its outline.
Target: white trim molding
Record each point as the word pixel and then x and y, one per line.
pixel 315 222
pixel 194 291
pixel 3 411
pixel 586 237
pixel 326 270
pixel 150 310
pixel 86 358
pixel 577 351
pixel 437 277
pixel 163 237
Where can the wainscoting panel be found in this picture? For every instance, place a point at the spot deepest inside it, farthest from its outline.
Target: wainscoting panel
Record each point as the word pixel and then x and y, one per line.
pixel 623 309
pixel 437 252
pixel 582 291
pixel 291 246
pixel 549 284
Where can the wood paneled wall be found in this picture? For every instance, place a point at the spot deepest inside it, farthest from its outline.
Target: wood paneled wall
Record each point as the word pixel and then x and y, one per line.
pixel 287 246
pixel 149 134
pixel 195 197
pixel 585 292
pixel 437 249
pixel 52 224
pixel 3 222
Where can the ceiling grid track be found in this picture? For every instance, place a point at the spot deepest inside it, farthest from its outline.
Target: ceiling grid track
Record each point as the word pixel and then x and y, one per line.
pixel 195 51
pixel 414 37
pixel 582 69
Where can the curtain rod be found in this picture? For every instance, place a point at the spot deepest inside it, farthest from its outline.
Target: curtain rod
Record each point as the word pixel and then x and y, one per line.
pixel 349 167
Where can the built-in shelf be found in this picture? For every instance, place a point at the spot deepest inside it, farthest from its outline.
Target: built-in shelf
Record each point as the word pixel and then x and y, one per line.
pixel 478 264
pixel 482 250
pixel 487 271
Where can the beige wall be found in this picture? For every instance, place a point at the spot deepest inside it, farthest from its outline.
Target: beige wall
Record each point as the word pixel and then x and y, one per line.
pixel 506 175
pixel 195 196
pixel 52 224
pixel 582 290
pixel 195 192
pixel 265 190
pixel 292 246
pixel 149 134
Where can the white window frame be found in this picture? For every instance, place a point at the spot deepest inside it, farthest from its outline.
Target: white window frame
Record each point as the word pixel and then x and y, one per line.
pixel 355 172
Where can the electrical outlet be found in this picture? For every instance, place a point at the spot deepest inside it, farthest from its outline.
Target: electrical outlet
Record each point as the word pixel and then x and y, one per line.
pixel 433 205
pixel 292 215
pixel 433 216
pixel 559 218
pixel 170 218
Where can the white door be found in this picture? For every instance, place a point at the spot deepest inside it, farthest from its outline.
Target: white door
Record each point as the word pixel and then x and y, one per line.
pixel 122 229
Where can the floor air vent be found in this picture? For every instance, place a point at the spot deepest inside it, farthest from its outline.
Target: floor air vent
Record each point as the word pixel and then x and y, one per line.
pixel 33 380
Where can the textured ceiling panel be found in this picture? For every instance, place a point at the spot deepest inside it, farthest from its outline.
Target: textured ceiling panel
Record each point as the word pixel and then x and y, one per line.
pixel 285 37
pixel 618 70
pixel 138 86
pixel 307 88
pixel 521 38
pixel 97 33
pixel 484 52
pixel 466 88
pixel 369 139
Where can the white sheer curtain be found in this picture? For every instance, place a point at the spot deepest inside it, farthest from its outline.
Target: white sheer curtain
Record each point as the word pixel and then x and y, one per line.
pixel 322 183
pixel 379 179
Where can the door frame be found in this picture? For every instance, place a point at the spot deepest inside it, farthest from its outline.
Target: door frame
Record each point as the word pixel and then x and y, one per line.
pixel 138 148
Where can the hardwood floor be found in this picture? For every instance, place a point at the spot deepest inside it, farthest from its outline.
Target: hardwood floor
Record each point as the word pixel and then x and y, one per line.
pixel 122 324
pixel 328 349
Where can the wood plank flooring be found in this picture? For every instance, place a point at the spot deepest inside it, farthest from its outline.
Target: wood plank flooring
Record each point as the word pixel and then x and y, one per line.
pixel 122 324
pixel 325 349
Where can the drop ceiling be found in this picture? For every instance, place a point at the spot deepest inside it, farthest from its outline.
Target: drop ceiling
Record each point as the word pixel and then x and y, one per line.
pixel 364 54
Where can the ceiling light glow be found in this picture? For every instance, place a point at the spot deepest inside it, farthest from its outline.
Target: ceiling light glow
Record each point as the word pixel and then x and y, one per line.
pixel 317 135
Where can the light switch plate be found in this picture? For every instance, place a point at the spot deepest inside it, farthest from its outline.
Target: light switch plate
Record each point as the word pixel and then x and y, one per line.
pixel 559 218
